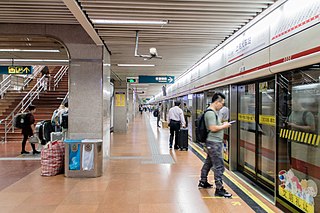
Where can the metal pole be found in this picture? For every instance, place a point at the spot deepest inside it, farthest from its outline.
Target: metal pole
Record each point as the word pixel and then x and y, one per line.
pixel 5 131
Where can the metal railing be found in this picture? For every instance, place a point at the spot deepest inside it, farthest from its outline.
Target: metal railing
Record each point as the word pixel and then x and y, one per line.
pixel 65 99
pixel 23 105
pixel 36 71
pixel 11 81
pixel 57 77
pixel 5 85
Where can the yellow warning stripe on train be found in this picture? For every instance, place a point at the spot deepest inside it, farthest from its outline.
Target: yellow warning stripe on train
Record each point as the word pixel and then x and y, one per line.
pixel 247 118
pixel 302 137
pixel 246 191
pixel 263 119
pixel 267 120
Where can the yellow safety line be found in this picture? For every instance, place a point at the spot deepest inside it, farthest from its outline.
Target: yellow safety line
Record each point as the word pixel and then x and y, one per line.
pixel 281 130
pixel 215 197
pixel 318 140
pixel 253 197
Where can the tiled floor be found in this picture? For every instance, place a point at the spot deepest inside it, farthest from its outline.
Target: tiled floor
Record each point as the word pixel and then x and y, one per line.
pixel 127 184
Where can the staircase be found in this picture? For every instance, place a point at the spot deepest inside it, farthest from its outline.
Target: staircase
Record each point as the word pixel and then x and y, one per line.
pixel 48 101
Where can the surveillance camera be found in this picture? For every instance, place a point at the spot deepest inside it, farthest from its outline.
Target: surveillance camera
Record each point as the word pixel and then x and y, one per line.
pixel 153 51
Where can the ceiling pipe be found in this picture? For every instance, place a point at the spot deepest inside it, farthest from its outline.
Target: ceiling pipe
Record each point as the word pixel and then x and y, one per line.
pixel 153 51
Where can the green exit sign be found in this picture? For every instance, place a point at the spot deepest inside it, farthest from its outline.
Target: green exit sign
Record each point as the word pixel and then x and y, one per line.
pixel 131 80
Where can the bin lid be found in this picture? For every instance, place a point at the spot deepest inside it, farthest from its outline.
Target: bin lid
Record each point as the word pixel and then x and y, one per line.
pixel 73 141
pixel 91 140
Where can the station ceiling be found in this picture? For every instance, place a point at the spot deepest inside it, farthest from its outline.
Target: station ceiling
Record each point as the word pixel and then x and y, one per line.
pixel 194 28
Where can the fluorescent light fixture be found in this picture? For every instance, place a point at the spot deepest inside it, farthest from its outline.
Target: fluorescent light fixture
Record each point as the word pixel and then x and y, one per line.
pixel 32 60
pixel 23 50
pixel 105 21
pixel 137 84
pixel 135 65
pixel 107 65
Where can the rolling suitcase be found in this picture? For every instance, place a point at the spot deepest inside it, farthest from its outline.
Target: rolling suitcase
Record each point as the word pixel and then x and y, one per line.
pixel 43 130
pixel 183 139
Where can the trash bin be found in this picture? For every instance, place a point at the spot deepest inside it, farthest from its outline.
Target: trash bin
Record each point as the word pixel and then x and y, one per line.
pixel 83 158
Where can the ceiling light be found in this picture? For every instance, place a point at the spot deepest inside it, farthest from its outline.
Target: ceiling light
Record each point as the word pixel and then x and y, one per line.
pixel 32 60
pixel 104 21
pixel 135 65
pixel 28 50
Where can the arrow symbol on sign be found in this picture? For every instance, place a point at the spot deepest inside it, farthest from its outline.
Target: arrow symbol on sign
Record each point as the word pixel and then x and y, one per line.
pixel 26 70
pixel 236 203
pixel 170 79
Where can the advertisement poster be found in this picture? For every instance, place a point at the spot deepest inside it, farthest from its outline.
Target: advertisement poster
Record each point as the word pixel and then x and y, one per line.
pixel 300 193
pixel 120 99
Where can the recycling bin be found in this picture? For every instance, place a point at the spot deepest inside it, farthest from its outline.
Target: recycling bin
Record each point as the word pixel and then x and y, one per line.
pixel 83 158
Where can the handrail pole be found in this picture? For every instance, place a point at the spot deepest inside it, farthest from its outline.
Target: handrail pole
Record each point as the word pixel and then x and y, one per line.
pixel 24 103
pixel 5 131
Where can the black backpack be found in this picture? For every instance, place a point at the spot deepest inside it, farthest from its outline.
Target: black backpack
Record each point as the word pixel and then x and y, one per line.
pixel 20 121
pixel 156 113
pixel 201 129
pixel 64 122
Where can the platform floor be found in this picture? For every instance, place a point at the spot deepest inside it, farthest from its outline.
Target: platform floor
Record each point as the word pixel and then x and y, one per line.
pixel 142 175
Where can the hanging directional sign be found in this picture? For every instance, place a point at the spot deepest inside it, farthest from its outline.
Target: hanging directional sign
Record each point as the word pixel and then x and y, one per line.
pixel 156 79
pixel 21 70
pixel 132 79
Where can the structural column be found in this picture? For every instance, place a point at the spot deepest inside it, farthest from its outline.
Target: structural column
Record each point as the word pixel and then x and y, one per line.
pixel 120 116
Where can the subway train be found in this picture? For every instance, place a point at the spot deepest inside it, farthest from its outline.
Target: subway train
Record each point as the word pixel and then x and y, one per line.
pixel 269 72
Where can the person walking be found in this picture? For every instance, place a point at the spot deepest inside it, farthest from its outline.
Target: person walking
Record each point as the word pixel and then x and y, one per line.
pixel 28 130
pixel 214 145
pixel 176 119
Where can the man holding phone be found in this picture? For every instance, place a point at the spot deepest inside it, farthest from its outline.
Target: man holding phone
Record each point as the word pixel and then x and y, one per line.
pixel 214 145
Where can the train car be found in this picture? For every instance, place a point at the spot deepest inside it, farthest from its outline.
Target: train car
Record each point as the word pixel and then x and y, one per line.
pixel 269 72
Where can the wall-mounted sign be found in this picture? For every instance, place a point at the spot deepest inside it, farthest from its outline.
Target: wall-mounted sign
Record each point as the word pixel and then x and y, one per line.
pixel 131 79
pixel 120 99
pixel 16 70
pixel 156 79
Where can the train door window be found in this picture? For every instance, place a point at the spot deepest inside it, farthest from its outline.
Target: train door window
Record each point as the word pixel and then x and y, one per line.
pixel 256 145
pixel 246 117
pixel 199 104
pixel 298 143
pixel 266 133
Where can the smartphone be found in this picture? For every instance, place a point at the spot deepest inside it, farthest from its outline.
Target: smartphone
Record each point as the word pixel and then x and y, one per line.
pixel 231 122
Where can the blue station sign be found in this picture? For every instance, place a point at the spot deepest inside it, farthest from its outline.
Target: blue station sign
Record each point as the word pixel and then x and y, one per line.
pixel 21 70
pixel 156 79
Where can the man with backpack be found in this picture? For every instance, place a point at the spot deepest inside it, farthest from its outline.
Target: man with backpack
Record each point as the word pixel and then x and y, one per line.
pixel 28 129
pixel 214 144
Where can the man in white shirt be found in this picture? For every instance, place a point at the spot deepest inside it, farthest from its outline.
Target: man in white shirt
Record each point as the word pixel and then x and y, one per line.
pixel 176 119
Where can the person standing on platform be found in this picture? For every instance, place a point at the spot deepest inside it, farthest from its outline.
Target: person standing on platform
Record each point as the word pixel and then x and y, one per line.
pixel 214 145
pixel 45 72
pixel 28 130
pixel 176 119
pixel 159 114
pixel 186 113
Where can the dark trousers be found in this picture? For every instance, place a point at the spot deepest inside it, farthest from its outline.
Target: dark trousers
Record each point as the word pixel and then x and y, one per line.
pixel 158 119
pixel 174 132
pixel 24 141
pixel 186 119
pixel 214 159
